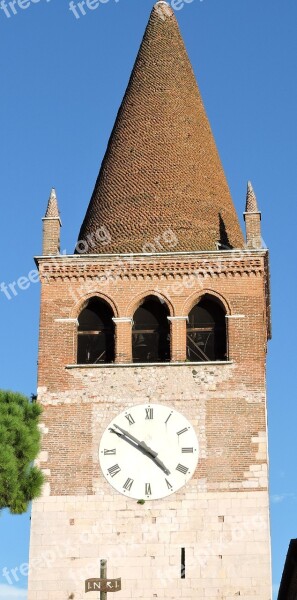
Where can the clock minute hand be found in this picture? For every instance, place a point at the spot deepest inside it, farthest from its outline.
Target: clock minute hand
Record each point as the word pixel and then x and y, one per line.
pixel 151 453
pixel 138 442
pixel 159 463
pixel 141 446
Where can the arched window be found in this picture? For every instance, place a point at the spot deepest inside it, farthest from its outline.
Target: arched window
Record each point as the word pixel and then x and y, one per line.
pixel 95 343
pixel 151 332
pixel 206 331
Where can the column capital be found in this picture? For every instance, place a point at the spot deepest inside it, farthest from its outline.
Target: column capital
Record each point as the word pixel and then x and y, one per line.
pixel 122 320
pixel 67 320
pixel 181 318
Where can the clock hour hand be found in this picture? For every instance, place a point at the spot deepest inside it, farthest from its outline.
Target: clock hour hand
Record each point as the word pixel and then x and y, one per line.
pixel 130 440
pixel 138 442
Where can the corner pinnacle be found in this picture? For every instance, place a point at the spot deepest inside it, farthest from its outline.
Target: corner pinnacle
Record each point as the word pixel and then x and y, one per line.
pixel 52 210
pixel 251 200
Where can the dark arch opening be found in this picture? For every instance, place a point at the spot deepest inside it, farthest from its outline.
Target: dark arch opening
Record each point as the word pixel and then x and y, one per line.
pixel 95 343
pixel 206 331
pixel 151 332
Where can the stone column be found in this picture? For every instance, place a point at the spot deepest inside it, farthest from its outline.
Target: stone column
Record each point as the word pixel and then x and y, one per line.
pixel 178 336
pixel 123 339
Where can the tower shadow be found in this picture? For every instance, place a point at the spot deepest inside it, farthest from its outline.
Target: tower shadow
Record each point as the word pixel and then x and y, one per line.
pixel 223 239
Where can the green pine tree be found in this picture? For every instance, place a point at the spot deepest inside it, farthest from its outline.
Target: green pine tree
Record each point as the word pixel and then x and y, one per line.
pixel 20 480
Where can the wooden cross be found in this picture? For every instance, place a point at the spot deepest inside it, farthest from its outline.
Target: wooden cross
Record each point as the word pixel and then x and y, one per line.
pixel 103 575
pixel 103 585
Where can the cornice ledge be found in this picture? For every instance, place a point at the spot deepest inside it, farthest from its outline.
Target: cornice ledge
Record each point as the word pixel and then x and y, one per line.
pixel 241 252
pixel 151 270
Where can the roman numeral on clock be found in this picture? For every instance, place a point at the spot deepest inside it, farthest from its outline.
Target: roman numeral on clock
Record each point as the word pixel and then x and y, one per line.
pixel 187 450
pixel 182 469
pixel 170 415
pixel 114 470
pixel 130 419
pixel 127 486
pixel 182 431
pixel 109 452
pixel 148 489
pixel 169 486
pixel 149 413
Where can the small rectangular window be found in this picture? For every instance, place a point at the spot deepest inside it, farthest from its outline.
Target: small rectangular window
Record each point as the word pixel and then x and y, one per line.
pixel 183 564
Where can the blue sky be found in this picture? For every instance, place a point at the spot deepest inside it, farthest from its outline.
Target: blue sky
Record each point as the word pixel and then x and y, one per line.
pixel 62 80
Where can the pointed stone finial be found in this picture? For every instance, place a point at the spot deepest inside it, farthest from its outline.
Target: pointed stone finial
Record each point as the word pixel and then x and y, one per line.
pixel 163 9
pixel 251 200
pixel 252 217
pixel 52 211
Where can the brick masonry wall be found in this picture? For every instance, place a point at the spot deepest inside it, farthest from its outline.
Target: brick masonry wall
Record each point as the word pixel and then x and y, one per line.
pixel 238 280
pixel 221 515
pixel 253 229
pixel 229 416
pixel 51 236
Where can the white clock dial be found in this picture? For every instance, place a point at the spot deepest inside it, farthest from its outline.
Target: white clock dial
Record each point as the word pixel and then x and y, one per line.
pixel 148 451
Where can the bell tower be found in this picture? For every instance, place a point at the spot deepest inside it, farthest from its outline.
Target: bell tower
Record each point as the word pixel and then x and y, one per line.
pixel 152 359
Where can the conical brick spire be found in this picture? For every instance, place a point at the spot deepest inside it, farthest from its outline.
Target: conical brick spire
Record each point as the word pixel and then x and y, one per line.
pixel 251 200
pixel 161 169
pixel 52 210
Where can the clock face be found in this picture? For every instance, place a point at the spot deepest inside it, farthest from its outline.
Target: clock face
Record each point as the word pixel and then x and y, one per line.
pixel 148 451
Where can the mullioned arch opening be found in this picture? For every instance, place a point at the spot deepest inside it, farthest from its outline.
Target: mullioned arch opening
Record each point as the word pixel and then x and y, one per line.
pixel 95 339
pixel 206 331
pixel 151 332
